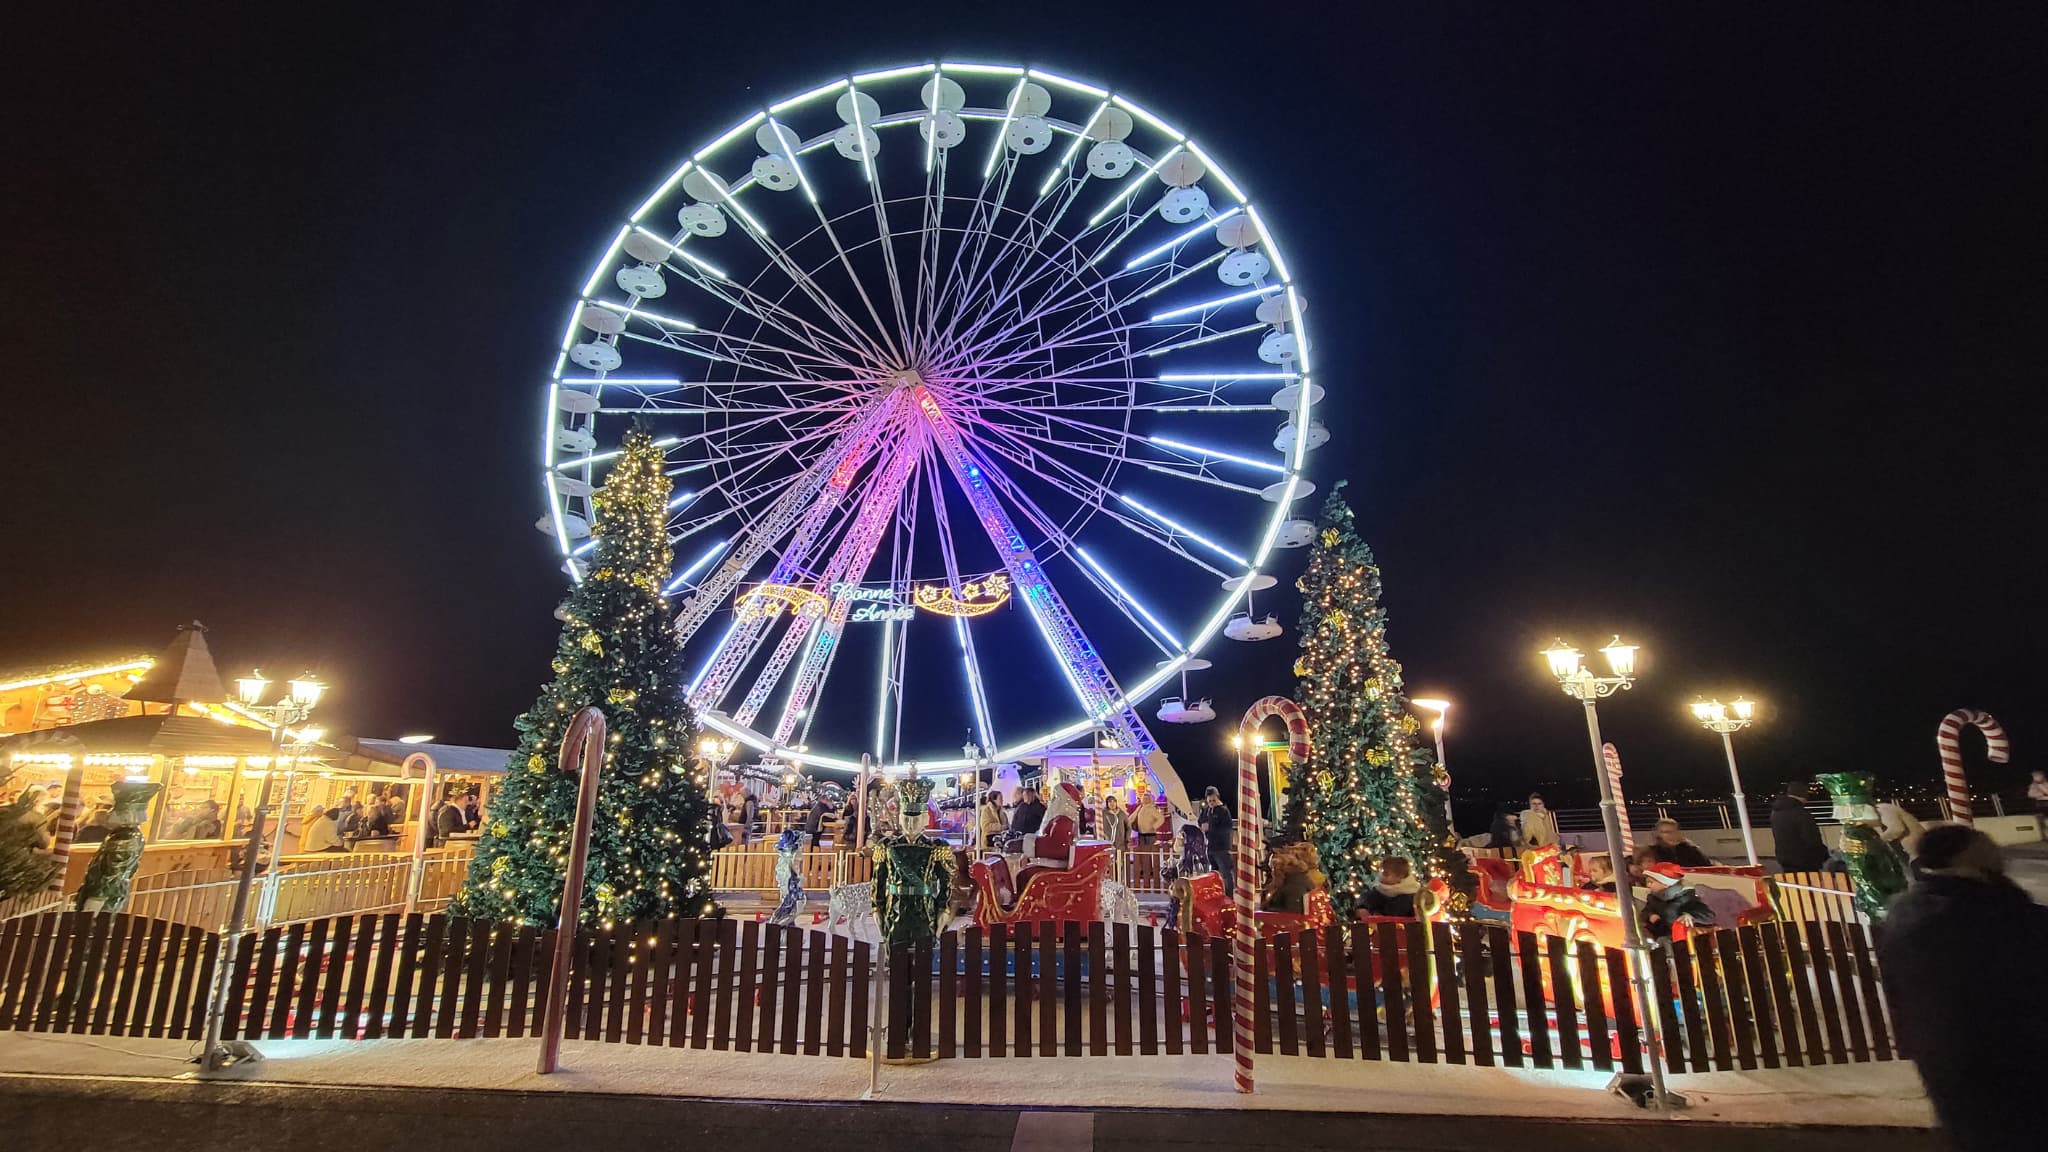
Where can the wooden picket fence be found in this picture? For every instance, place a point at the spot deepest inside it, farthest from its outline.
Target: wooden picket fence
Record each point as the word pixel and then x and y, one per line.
pixel 1820 897
pixel 105 974
pixel 1764 996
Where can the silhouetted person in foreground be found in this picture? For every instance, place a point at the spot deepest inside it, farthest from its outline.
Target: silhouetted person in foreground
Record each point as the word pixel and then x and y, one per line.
pixel 1963 953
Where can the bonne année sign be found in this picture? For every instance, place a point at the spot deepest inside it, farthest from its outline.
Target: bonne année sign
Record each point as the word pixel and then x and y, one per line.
pixel 863 605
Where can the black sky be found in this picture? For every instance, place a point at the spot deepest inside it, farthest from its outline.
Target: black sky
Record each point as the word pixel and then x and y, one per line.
pixel 1714 324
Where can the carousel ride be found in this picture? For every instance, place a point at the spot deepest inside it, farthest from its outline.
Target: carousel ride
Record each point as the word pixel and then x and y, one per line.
pixel 956 366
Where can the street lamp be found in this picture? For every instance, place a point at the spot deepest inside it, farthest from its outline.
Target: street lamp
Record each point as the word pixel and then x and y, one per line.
pixel 1442 708
pixel 1728 719
pixel 302 695
pixel 717 752
pixel 1581 683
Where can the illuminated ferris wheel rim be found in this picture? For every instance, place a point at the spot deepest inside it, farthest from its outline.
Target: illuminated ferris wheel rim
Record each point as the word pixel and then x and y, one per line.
pixel 560 464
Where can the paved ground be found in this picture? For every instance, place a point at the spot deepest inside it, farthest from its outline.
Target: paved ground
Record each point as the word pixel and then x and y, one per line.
pixel 170 1115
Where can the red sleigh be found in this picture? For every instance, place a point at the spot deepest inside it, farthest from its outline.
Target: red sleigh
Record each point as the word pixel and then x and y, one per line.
pixel 1039 892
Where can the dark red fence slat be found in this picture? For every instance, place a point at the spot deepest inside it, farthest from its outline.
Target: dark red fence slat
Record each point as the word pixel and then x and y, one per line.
pixel 998 987
pixel 1310 962
pixel 1170 981
pixel 1281 967
pixel 842 979
pixel 1472 964
pixel 815 946
pixel 1531 957
pixel 1073 936
pixel 921 1000
pixel 1420 981
pixel 1565 1003
pixel 863 973
pixel 1671 1035
pixel 1500 953
pixel 335 976
pixel 1387 946
pixel 1623 1007
pixel 1444 955
pixel 1048 989
pixel 949 1013
pixel 1598 1039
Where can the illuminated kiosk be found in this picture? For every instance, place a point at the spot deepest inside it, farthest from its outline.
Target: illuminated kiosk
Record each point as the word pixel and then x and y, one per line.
pixel 947 359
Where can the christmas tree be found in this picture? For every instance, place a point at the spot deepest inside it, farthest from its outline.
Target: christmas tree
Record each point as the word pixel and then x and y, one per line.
pixel 650 843
pixel 1370 788
pixel 23 868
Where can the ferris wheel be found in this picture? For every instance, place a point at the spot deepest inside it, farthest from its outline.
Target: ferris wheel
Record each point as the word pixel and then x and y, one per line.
pixel 960 368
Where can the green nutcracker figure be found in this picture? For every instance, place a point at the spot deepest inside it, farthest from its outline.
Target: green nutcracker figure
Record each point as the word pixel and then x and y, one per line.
pixel 105 888
pixel 1876 865
pixel 913 873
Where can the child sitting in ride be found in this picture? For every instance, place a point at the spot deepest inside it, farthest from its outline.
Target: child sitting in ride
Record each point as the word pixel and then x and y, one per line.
pixel 1395 891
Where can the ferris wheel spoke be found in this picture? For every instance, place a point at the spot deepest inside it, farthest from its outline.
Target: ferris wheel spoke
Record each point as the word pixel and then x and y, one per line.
pixel 742 298
pixel 684 332
pixel 1067 259
pixel 1014 252
pixel 1088 494
pixel 876 355
pixel 679 344
pixel 1143 286
pixel 888 246
pixel 1097 577
pixel 1126 458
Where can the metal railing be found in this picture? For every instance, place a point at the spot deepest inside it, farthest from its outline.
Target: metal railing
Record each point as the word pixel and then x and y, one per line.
pixel 301 889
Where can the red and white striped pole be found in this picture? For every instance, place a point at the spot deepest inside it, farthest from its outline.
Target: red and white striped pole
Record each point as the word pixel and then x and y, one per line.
pixel 67 823
pixel 1244 937
pixel 1628 835
pixel 1948 738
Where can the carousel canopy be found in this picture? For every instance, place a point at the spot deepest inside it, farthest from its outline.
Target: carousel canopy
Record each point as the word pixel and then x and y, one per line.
pixel 184 674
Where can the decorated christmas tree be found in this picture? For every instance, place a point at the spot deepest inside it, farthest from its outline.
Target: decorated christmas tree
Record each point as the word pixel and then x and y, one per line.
pixel 650 843
pixel 23 869
pixel 1370 789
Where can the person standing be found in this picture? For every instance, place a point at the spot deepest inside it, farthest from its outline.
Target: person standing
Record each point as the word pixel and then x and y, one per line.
pixel 989 825
pixel 1671 847
pixel 814 819
pixel 1962 954
pixel 1029 814
pixel 750 811
pixel 1216 834
pixel 1149 819
pixel 1539 823
pixel 1796 834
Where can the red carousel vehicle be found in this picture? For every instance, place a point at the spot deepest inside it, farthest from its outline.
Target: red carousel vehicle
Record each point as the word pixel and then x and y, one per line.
pixel 1057 875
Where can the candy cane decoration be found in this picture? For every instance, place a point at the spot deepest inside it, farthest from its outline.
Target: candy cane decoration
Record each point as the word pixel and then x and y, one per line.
pixel 582 755
pixel 1948 738
pixel 1628 834
pixel 67 823
pixel 1245 850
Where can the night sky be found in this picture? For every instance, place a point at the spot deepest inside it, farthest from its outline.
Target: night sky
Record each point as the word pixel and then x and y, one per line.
pixel 1715 325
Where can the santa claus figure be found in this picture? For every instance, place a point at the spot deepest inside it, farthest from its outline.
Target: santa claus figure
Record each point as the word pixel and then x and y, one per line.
pixel 1050 848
